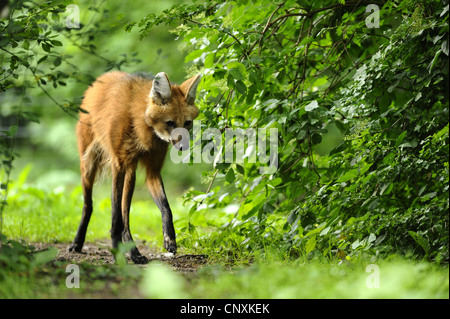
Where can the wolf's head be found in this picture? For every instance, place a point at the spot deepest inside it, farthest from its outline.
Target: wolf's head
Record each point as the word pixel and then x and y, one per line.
pixel 171 109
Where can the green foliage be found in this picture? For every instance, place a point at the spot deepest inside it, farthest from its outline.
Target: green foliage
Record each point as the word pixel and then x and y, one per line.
pixel 314 280
pixel 159 282
pixel 16 256
pixel 361 113
pixel 20 265
pixel 302 67
pixel 46 63
pixel 362 119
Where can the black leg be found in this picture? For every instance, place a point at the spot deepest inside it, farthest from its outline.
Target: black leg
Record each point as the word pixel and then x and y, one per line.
pixel 156 187
pixel 128 189
pixel 87 182
pixel 78 242
pixel 116 202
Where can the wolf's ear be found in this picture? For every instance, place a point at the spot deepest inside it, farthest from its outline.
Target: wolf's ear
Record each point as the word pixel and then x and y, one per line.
pixel 161 90
pixel 189 88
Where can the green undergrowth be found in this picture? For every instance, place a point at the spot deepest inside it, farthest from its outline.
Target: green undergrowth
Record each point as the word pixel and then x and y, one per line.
pixel 26 273
pixel 397 279
pixel 242 263
pixel 44 214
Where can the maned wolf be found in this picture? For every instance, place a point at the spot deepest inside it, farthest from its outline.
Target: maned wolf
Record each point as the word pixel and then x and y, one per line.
pixel 127 119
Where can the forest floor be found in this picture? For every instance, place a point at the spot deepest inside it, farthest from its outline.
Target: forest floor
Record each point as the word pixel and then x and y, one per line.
pixel 53 272
pixel 102 277
pixel 99 253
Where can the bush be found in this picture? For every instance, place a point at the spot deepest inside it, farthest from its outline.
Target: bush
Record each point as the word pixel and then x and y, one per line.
pixel 302 67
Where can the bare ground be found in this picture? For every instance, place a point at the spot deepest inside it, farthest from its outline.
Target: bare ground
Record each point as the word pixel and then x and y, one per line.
pixel 102 279
pixel 99 253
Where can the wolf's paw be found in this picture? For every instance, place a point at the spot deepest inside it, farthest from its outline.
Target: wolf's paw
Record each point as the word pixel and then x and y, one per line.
pixel 170 245
pixel 74 247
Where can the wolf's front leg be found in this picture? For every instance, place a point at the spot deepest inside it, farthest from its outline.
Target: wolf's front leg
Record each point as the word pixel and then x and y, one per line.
pixel 156 187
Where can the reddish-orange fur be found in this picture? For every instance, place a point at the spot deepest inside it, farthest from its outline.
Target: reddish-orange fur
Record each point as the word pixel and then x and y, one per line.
pixel 122 124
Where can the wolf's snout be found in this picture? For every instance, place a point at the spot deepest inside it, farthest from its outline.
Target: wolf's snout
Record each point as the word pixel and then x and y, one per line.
pixel 177 143
pixel 179 138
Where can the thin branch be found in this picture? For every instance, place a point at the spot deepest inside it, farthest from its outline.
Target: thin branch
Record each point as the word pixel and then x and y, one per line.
pixel 310 155
pixel 33 71
pixel 295 163
pixel 267 26
pixel 305 59
pixel 86 50
pixel 210 184
pixel 348 71
pixel 226 107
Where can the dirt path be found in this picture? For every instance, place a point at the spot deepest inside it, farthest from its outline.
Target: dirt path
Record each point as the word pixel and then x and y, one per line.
pixel 99 253
pixel 102 279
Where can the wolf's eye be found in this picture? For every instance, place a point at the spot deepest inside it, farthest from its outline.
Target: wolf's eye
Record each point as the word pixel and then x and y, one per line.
pixel 187 123
pixel 170 123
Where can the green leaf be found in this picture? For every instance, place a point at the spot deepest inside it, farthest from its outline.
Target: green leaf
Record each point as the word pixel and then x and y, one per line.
pixel 45 256
pixel 230 82
pixel 230 177
pixel 311 106
pixel 374 204
pixel 371 238
pixel 12 130
pixel 341 147
pixel 365 168
pixel 236 74
pixel 222 166
pixel 356 244
pixel 320 81
pixel 301 134
pixel 42 59
pixel 256 59
pixel 444 47
pixel 26 44
pixel 315 230
pixel 241 87
pixel 441 132
pixel 386 188
pixel 351 174
pixel 253 211
pixel 316 138
pixel 325 231
pixel 433 62
pixel 219 74
pixel 400 138
pixel 240 169
pixel 310 244
pixel 193 55
pixel 236 65
pixel 307 40
pixel 56 43
pixel 191 228
pixel 429 196
pixel 46 47
pixel 420 240
pixel 57 61
pixel 193 210
pixel 268 208
pixel 418 96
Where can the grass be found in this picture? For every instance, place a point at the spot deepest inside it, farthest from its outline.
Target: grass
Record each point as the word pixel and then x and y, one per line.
pixel 37 214
pixel 38 275
pixel 305 280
